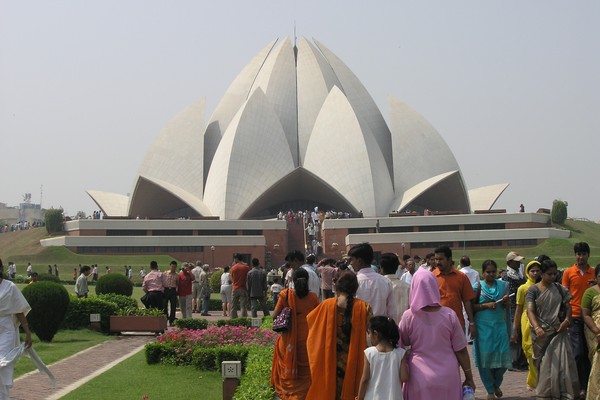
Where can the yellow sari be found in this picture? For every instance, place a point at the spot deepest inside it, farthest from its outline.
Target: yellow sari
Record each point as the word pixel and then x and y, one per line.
pixel 526 342
pixel 593 389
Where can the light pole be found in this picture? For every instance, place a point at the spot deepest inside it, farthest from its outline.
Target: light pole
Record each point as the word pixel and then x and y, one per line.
pixel 212 252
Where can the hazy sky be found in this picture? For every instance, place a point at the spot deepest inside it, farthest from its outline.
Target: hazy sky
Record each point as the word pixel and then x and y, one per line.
pixel 512 86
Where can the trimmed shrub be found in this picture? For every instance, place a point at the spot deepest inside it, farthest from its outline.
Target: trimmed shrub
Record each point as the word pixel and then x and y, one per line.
pixel 204 358
pixel 78 313
pixel 114 283
pixel 215 281
pixel 49 302
pixel 54 220
pixel 120 300
pixel 243 321
pixel 153 352
pixel 48 278
pixel 559 211
pixel 191 323
pixel 252 385
pixel 215 305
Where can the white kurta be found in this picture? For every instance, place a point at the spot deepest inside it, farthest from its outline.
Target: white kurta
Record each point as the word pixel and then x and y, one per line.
pixel 12 302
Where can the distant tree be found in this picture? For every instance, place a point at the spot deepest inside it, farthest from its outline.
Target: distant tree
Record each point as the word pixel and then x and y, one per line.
pixel 559 211
pixel 54 219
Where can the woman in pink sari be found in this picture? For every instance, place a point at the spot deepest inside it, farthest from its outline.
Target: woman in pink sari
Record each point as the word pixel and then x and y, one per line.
pixel 438 344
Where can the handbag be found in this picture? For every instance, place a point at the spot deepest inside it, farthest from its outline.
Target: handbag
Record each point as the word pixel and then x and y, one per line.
pixel 283 321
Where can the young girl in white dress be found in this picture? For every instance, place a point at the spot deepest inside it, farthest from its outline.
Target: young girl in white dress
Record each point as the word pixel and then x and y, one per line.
pixel 385 367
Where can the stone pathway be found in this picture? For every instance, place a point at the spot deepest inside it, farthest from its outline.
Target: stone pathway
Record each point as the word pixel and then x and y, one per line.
pixel 80 368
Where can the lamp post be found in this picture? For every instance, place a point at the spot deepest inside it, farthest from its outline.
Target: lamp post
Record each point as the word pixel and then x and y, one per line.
pixel 212 252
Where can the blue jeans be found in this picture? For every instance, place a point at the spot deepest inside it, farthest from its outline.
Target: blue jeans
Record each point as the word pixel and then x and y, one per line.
pixel 205 302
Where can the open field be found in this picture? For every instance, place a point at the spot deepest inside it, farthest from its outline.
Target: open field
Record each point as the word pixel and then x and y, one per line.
pixel 23 246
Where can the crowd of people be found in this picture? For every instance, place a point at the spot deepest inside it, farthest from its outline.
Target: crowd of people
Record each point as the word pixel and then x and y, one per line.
pixel 20 226
pixel 367 331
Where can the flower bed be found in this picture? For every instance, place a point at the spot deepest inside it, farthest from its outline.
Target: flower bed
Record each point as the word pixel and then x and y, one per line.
pixel 207 348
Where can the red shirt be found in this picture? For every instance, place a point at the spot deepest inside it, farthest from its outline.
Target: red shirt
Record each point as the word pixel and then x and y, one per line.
pixel 577 283
pixel 239 274
pixel 455 288
pixel 184 284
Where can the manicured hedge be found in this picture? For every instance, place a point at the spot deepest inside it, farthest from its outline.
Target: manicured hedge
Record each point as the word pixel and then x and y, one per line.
pixel 114 283
pixel 191 323
pixel 253 385
pixel 49 302
pixel 79 310
pixel 243 321
pixel 120 300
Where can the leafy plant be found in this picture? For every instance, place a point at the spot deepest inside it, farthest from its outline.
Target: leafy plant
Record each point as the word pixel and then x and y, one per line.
pixel 215 281
pixel 242 321
pixel 114 283
pixel 49 302
pixel 139 312
pixel 54 220
pixel 559 211
pixel 258 371
pixel 79 310
pixel 120 300
pixel 48 278
pixel 191 323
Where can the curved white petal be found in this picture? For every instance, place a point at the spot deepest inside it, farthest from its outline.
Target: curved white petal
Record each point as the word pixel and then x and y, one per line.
pixel 485 197
pixel 111 204
pixel 252 156
pixel 352 162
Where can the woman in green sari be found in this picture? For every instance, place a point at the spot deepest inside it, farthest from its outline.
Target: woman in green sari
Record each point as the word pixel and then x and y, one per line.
pixel 590 309
pixel 490 347
pixel 549 315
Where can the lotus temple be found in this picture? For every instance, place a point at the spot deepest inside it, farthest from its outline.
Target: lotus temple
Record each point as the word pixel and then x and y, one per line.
pixel 297 130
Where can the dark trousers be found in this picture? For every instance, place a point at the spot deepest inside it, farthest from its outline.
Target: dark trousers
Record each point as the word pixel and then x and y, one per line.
pixel 580 351
pixel 170 303
pixel 154 300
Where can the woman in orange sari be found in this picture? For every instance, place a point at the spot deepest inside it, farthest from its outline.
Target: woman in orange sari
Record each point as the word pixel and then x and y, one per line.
pixel 290 373
pixel 337 338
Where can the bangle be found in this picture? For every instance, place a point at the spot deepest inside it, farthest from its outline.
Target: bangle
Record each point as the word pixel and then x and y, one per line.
pixel 467 370
pixel 471 323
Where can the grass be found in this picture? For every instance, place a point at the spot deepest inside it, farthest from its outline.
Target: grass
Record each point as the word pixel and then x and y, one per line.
pixel 133 379
pixel 64 344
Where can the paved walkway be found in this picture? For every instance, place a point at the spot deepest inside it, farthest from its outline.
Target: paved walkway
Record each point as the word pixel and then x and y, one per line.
pixel 80 368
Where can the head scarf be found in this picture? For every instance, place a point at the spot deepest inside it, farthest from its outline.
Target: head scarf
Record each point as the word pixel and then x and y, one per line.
pixel 424 290
pixel 531 264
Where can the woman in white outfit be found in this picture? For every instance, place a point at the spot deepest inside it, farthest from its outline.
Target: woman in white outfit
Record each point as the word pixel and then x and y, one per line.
pixel 226 291
pixel 13 308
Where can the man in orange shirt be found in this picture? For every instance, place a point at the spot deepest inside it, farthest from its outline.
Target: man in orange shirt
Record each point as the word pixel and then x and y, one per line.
pixel 578 278
pixel 239 277
pixel 455 288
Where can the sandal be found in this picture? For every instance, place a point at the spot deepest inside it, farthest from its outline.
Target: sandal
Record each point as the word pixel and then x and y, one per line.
pixel 498 392
pixel 491 396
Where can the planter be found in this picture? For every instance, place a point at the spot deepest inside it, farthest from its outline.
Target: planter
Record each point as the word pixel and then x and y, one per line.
pixel 135 323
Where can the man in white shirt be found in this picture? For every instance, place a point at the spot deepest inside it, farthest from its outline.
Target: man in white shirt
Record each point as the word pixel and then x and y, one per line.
pixel 389 265
pixel 373 288
pixel 296 260
pixel 196 271
pixel 465 268
pixel 410 270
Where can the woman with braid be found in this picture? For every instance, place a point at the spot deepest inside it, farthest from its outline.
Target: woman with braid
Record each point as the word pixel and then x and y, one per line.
pixel 337 338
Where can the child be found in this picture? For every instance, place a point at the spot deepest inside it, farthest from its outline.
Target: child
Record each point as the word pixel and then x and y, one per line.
pixel 275 289
pixel 385 366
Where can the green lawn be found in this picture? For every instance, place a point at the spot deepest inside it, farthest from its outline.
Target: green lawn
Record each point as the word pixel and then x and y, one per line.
pixel 64 344
pixel 133 379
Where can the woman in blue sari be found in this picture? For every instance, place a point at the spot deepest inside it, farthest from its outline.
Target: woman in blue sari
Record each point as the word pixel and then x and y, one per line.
pixel 491 346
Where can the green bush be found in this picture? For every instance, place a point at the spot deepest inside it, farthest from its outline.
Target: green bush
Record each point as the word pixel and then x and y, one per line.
pixel 153 352
pixel 120 300
pixel 191 323
pixel 215 305
pixel 54 220
pixel 243 321
pixel 45 277
pixel 559 211
pixel 210 358
pixel 204 358
pixel 252 385
pixel 78 313
pixel 114 283
pixel 215 281
pixel 49 302
pixel 140 312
